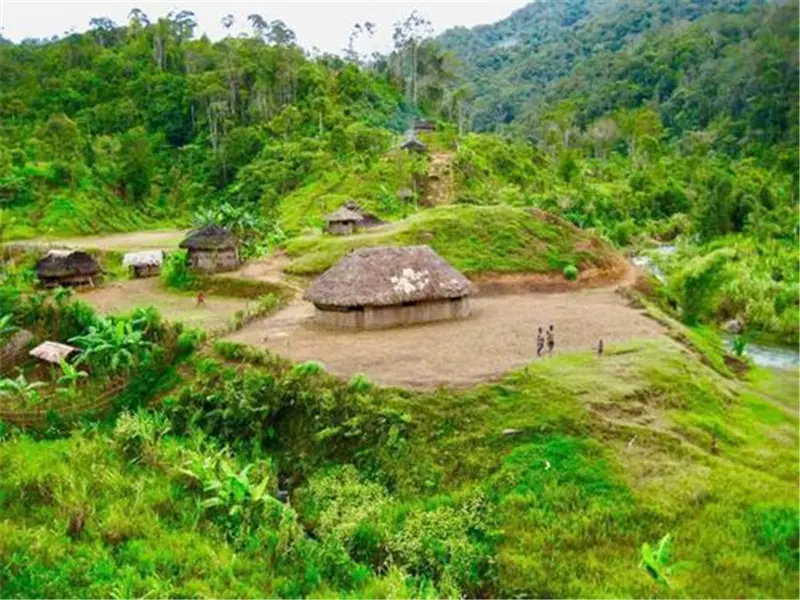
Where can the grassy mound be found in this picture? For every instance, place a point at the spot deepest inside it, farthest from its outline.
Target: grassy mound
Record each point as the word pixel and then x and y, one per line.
pixel 474 239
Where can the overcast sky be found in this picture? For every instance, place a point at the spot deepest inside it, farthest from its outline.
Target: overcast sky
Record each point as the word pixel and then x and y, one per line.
pixel 325 24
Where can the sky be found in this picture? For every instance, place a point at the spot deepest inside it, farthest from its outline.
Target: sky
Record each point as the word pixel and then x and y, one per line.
pixel 324 24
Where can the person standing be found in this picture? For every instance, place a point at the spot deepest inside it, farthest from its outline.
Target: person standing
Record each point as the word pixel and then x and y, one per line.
pixel 539 342
pixel 600 347
pixel 551 338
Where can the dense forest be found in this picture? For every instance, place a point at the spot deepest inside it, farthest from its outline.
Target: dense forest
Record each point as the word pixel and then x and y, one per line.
pixel 170 461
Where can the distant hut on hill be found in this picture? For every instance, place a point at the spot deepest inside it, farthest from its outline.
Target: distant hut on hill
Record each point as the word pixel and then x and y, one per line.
pixel 67 267
pixel 414 145
pixel 424 125
pixel 144 264
pixel 212 249
pixel 53 352
pixel 384 286
pixel 367 218
pixel 342 221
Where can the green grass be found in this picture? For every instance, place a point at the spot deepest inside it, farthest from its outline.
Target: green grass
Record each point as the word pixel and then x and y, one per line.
pixel 473 239
pixel 546 483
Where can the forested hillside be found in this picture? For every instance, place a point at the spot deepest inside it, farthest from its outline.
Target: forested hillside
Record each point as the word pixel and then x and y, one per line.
pixel 129 126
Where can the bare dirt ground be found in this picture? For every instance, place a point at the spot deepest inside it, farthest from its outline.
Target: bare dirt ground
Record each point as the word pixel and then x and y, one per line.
pixel 498 337
pixel 125 296
pixel 165 239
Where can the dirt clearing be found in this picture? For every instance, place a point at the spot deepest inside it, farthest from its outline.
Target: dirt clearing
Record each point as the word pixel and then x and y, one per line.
pixel 499 336
pixel 125 296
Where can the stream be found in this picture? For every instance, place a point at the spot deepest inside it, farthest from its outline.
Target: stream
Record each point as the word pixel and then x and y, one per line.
pixel 762 355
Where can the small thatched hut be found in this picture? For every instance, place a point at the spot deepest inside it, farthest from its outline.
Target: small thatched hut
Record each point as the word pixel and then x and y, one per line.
pixel 67 267
pixel 342 221
pixel 414 145
pixel 212 249
pixel 424 125
pixel 382 287
pixel 53 352
pixel 146 263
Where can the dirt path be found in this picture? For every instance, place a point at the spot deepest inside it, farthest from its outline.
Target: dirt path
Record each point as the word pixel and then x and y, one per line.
pixel 165 239
pixel 440 179
pixel 499 336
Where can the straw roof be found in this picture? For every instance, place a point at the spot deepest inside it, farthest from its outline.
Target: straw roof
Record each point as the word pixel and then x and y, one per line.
pixel 414 145
pixel 145 258
pixel 52 352
pixel 60 263
pixel 342 215
pixel 210 237
pixel 386 276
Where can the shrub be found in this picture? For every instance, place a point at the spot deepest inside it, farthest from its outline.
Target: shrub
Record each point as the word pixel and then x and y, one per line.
pixel 175 271
pixel 571 272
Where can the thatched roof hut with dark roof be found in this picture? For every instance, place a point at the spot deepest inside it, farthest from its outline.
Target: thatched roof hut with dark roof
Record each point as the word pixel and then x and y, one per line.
pixel 67 267
pixel 424 125
pixel 146 263
pixel 386 286
pixel 342 221
pixel 212 249
pixel 414 145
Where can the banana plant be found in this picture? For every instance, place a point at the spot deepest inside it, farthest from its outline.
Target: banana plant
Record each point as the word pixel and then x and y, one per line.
pixel 113 345
pixel 7 327
pixel 656 562
pixel 21 389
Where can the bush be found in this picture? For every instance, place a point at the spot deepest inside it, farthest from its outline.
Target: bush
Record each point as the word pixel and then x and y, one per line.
pixel 571 272
pixel 175 271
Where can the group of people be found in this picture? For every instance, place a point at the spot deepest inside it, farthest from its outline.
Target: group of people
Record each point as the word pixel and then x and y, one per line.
pixel 549 337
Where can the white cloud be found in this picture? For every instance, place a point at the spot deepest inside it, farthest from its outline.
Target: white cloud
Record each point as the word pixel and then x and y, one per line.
pixel 325 24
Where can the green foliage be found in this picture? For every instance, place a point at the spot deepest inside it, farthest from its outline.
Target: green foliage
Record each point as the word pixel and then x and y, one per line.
pixel 21 390
pixel 698 282
pixel 571 272
pixel 175 271
pixel 656 562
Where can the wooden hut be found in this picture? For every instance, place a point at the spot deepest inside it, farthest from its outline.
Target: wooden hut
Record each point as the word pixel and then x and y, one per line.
pixel 414 145
pixel 53 352
pixel 379 287
pixel 342 222
pixel 368 219
pixel 67 267
pixel 424 125
pixel 212 249
pixel 146 263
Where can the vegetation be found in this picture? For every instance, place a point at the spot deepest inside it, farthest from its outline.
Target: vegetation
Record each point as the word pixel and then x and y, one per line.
pixel 152 467
pixel 474 239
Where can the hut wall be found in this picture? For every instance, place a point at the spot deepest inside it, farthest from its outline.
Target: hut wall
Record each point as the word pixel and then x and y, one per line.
pixel 142 271
pixel 213 261
pixel 66 280
pixel 341 228
pixel 378 317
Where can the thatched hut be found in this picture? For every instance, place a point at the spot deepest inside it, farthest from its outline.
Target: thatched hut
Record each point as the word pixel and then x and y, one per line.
pixel 368 219
pixel 384 286
pixel 146 263
pixel 212 249
pixel 342 222
pixel 414 145
pixel 53 352
pixel 424 125
pixel 67 267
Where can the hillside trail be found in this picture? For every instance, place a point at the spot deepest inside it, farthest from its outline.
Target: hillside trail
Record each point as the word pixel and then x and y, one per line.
pixel 164 239
pixel 439 184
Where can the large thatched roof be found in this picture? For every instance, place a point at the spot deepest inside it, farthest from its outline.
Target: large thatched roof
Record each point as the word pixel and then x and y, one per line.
pixel 66 263
pixel 343 215
pixel 210 237
pixel 52 352
pixel 145 258
pixel 414 145
pixel 388 276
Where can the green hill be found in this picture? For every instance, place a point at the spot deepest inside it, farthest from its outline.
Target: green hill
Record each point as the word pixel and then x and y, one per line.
pixel 473 239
